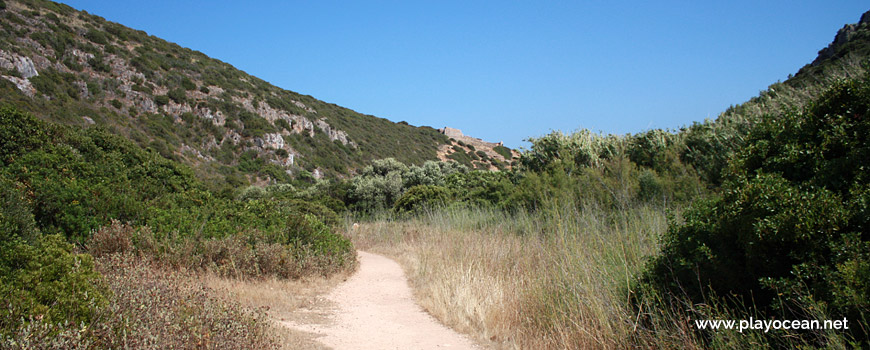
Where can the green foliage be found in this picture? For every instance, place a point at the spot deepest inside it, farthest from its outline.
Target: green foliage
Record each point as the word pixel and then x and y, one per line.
pixel 188 84
pixel 77 180
pixel 648 148
pixel 97 36
pixel 161 100
pixel 311 235
pixel 461 157
pixel 381 184
pixel 178 95
pixel 46 281
pixel 422 197
pixel 255 126
pixel 581 149
pixel 99 64
pixel 503 151
pixel 791 220
pixel 19 133
pixel 53 83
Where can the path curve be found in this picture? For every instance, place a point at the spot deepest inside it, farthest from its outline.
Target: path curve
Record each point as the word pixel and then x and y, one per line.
pixel 374 309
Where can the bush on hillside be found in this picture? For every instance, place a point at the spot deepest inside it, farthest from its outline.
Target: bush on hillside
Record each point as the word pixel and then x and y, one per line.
pixel 791 224
pixel 422 197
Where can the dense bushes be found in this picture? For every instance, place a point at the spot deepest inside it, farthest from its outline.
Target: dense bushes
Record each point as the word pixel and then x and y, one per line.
pixel 60 184
pixel 41 278
pixel 789 232
pixel 383 182
pixel 422 197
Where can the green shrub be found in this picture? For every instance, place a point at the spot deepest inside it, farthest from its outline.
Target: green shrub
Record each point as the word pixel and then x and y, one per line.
pixel 48 282
pixel 650 186
pixel 19 133
pixel 97 36
pixel 791 223
pixel 255 126
pixel 178 95
pixel 461 157
pixel 422 197
pixel 99 64
pixel 187 84
pixel 503 151
pixel 161 100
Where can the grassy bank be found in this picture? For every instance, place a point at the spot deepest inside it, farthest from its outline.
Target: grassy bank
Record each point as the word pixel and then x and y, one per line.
pixel 557 279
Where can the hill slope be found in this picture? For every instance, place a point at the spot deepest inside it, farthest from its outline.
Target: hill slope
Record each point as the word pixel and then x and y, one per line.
pixel 68 66
pixel 708 144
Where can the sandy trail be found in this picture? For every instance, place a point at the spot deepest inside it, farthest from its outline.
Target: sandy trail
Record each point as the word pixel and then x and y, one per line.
pixel 374 309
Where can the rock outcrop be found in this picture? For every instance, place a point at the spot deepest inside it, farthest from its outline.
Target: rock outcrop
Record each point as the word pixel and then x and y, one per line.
pixel 843 36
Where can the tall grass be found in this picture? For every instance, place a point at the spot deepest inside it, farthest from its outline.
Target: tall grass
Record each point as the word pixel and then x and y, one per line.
pixel 559 278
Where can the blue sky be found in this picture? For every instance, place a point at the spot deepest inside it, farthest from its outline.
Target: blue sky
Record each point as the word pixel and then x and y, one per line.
pixel 506 70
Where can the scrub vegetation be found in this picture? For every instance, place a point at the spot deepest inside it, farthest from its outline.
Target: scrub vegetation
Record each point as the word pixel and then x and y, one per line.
pixel 114 233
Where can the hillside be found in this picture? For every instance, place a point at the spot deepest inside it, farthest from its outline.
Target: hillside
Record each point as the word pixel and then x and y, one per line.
pixel 708 144
pixel 75 68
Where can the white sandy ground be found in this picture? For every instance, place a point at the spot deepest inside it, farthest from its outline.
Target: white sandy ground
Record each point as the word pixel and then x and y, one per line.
pixel 374 309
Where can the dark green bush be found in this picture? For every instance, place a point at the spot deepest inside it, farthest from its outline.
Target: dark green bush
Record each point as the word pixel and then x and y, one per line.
pixel 178 95
pixel 422 197
pixel 161 100
pixel 46 281
pixel 504 152
pixel 187 84
pixel 97 36
pixel 791 223
pixel 255 126
pixel 19 133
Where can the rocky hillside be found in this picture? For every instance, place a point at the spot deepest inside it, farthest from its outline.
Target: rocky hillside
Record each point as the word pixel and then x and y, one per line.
pixel 474 152
pixel 710 143
pixel 72 67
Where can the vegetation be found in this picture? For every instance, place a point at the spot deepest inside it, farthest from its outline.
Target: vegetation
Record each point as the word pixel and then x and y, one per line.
pixel 64 187
pixel 590 240
pixel 790 228
pixel 147 73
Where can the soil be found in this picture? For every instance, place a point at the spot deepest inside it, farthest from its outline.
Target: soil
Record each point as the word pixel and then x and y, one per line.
pixel 375 309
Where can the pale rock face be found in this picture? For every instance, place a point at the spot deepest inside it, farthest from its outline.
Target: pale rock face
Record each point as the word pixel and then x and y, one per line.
pixel 233 136
pixel 175 109
pixel 273 141
pixel 22 84
pixel 300 123
pixel 217 118
pixel 25 66
pixel 83 88
pixel 6 60
pixel 333 134
pixel 148 105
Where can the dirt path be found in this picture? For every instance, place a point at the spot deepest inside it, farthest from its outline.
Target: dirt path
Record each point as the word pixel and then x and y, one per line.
pixel 374 309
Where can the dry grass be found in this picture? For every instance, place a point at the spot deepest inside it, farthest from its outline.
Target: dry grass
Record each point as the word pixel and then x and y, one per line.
pixel 280 299
pixel 155 308
pixel 555 280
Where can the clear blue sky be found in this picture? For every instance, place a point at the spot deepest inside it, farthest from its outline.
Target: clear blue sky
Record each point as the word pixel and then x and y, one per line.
pixel 506 70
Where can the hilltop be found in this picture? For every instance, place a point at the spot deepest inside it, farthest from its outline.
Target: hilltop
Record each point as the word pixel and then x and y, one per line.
pixel 76 68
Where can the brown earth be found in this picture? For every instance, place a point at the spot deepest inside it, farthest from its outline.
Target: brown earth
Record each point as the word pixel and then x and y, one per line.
pixel 375 309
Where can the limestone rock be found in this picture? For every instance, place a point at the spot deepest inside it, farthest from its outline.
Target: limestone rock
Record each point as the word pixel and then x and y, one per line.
pixel 22 84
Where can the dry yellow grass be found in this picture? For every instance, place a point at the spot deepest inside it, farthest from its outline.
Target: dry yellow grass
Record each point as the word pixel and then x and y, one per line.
pixel 557 280
pixel 280 299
